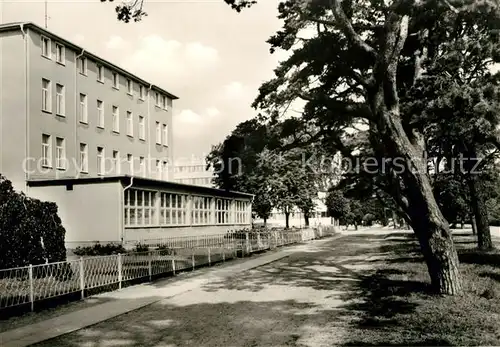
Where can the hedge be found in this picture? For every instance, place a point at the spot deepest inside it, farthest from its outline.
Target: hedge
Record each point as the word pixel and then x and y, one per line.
pixel 30 229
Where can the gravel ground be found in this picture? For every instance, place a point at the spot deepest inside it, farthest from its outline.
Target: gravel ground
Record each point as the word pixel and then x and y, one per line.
pixel 305 299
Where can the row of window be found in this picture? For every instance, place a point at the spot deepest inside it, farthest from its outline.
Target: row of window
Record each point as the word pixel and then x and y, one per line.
pixel 161 129
pixel 190 168
pixel 104 166
pixel 160 100
pixel 196 181
pixel 152 208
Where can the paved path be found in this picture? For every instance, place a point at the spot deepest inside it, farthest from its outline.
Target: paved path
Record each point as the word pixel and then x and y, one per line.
pixel 108 305
pixel 303 298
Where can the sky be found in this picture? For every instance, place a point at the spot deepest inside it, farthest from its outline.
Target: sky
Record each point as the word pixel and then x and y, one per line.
pixel 213 58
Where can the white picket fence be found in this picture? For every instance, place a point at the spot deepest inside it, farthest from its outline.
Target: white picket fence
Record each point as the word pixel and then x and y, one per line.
pixel 29 284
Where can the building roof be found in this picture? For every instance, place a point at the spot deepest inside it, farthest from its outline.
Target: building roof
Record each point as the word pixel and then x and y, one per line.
pixel 104 62
pixel 136 183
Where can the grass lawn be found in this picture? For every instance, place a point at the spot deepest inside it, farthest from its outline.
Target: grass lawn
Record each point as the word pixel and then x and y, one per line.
pixel 399 310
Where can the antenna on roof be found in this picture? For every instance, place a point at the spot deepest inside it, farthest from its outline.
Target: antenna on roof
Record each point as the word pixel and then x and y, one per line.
pixel 46 16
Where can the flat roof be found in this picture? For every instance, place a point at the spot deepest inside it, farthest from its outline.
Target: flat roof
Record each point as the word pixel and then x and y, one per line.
pixel 17 26
pixel 137 182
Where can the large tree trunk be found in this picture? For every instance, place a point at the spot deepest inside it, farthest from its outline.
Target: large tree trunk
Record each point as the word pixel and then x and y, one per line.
pixel 478 206
pixel 440 256
pixel 434 236
pixel 306 219
pixel 265 222
pixel 428 223
pixel 481 213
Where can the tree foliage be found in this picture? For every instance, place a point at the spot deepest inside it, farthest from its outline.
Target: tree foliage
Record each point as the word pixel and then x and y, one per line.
pixel 337 205
pixel 133 10
pixel 251 159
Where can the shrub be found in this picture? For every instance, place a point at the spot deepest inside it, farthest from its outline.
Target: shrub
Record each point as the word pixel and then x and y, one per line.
pixel 30 229
pixel 141 248
pixel 98 249
pixel 368 219
pixel 165 250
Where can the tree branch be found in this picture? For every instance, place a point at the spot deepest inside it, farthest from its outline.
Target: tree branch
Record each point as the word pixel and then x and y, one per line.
pixel 346 27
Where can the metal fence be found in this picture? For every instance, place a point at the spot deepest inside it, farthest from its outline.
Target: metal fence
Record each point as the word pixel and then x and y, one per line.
pixel 27 285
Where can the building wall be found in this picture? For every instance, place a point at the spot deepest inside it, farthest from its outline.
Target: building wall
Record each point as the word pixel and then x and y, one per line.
pixel 42 122
pixel 23 122
pixel 12 108
pixel 95 212
pixel 193 173
pixel 89 212
pixel 89 133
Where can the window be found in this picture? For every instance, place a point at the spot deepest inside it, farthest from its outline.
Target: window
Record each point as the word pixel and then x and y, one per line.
pixel 84 158
pixel 164 101
pixel 173 209
pixel 240 212
pixel 116 162
pixel 83 109
pixel 158 133
pixel 142 128
pixel 140 207
pixel 100 161
pixel 130 87
pixel 116 119
pixel 60 54
pixel 46 97
pixel 165 170
pixel 142 166
pixel 82 65
pixel 100 114
pixel 201 212
pixel 157 99
pixel 165 135
pixel 46 47
pixel 60 153
pixel 222 211
pixel 130 124
pixel 116 82
pixel 60 104
pixel 46 150
pixel 141 92
pixel 100 73
pixel 130 161
pixel 158 169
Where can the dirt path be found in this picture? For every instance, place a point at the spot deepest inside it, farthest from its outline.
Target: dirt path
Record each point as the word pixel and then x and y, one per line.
pixel 306 299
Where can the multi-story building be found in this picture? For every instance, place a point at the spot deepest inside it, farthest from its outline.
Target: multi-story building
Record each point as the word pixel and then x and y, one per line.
pixel 97 140
pixel 193 172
